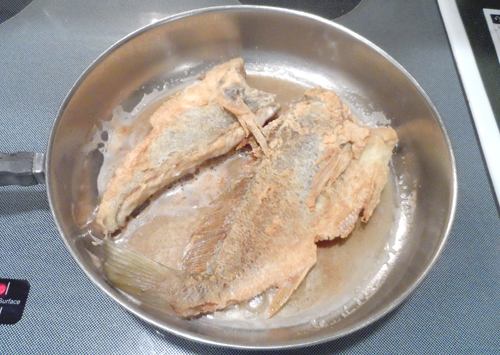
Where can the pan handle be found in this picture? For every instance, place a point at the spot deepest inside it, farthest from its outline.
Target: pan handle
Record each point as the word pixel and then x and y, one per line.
pixel 22 168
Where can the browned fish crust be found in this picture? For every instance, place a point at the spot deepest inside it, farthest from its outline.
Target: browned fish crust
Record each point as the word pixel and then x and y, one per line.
pixel 198 123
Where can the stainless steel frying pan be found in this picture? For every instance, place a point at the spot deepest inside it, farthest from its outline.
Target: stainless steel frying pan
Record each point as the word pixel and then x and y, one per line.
pixel 369 274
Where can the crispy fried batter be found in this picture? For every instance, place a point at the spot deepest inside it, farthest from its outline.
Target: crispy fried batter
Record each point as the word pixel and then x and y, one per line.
pixel 203 121
pixel 322 170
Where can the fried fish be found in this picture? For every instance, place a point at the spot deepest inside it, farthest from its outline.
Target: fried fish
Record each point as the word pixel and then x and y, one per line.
pixel 322 170
pixel 203 121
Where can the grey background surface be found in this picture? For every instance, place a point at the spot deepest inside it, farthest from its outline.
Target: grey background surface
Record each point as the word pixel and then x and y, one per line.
pixel 45 48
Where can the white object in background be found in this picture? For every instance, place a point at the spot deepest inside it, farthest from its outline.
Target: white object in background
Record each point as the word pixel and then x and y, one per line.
pixel 493 20
pixel 482 113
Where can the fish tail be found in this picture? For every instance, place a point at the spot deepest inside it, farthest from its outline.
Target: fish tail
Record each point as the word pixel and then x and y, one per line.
pixel 149 282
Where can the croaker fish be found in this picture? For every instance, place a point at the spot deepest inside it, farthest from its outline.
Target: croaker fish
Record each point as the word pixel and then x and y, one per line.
pixel 203 121
pixel 261 233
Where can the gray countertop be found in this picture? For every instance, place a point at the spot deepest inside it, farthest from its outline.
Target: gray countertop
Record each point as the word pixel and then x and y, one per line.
pixel 45 48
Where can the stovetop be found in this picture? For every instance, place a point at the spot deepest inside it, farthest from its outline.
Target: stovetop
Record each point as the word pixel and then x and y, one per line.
pixel 44 49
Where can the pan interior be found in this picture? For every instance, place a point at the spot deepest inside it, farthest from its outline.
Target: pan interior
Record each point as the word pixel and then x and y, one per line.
pixel 356 280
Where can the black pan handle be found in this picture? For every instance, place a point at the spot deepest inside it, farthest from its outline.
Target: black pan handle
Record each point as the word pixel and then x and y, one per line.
pixel 22 168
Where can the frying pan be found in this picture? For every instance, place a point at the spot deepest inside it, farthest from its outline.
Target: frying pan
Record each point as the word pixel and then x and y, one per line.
pixel 364 277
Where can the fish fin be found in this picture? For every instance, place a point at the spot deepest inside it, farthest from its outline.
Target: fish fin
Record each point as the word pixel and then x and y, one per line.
pixel 154 285
pixel 382 143
pixel 139 276
pixel 230 100
pixel 206 242
pixel 328 174
pixel 286 289
pixel 377 184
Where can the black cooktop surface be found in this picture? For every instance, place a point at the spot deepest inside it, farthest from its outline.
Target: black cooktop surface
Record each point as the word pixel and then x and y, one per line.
pixel 481 38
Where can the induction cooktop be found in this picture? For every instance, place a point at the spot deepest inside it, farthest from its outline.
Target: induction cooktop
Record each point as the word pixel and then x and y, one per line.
pixel 473 28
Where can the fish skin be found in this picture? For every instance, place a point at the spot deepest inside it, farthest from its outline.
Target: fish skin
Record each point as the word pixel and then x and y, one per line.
pixel 357 190
pixel 193 126
pixel 267 237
